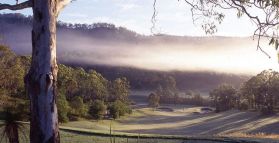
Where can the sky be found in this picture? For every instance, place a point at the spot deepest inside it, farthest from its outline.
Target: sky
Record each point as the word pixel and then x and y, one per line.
pixel 174 17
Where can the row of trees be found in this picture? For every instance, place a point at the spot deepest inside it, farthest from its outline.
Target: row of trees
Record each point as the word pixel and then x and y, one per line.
pixel 80 92
pixel 17 18
pixel 223 97
pixel 167 92
pixel 260 93
pixel 189 98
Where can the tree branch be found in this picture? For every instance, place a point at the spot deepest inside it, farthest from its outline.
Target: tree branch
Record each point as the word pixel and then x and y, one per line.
pixel 20 6
pixel 153 19
pixel 62 4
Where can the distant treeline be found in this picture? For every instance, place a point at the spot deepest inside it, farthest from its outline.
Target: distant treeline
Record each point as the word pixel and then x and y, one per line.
pixel 259 93
pixel 103 30
pixel 141 79
pixel 96 30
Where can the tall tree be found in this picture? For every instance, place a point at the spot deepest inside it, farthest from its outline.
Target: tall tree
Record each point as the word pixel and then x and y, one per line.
pixel 120 89
pixel 153 100
pixel 261 91
pixel 42 76
pixel 223 97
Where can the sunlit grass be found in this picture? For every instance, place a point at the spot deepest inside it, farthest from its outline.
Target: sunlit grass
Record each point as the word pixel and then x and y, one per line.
pixel 257 135
pixel 144 119
pixel 72 135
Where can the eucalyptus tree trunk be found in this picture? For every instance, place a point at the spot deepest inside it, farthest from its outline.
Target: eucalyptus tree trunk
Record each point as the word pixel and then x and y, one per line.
pixel 42 76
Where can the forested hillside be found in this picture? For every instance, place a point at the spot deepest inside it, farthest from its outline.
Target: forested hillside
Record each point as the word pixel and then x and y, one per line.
pixel 89 46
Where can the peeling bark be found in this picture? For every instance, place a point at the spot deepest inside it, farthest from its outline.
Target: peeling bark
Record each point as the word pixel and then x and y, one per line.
pixel 42 76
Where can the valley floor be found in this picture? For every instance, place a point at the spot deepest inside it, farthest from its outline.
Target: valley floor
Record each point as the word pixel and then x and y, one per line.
pixel 189 121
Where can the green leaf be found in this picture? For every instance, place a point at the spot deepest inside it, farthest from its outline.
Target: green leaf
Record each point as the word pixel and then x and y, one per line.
pixel 239 13
pixel 271 41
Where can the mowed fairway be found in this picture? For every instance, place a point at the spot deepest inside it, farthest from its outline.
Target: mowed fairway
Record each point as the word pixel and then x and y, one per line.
pixel 187 121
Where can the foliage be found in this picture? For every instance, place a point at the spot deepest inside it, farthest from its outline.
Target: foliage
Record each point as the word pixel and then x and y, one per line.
pixel 167 90
pixel 118 109
pixel 97 109
pixel 119 90
pixel 197 99
pixel 243 105
pixel 77 82
pixel 153 100
pixel 167 87
pixel 77 88
pixel 11 126
pixel 63 108
pixel 78 107
pixel 12 73
pixel 263 13
pixel 261 92
pixel 223 97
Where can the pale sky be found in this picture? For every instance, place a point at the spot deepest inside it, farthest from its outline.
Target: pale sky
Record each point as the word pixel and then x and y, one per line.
pixel 173 17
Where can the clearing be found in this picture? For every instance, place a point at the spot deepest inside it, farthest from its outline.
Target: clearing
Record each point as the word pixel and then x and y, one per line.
pixel 189 121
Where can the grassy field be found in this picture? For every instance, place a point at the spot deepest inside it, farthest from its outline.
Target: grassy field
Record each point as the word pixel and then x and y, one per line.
pixel 72 135
pixel 184 124
pixel 186 121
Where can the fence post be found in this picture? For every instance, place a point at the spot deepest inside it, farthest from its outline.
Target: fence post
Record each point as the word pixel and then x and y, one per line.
pixel 110 132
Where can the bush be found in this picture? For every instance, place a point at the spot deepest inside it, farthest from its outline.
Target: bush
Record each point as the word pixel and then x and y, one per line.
pixel 97 109
pixel 243 105
pixel 118 109
pixel 63 108
pixel 153 100
pixel 223 97
pixel 79 109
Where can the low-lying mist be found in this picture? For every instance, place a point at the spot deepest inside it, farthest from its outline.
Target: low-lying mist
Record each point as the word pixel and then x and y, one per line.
pixel 121 47
pixel 226 55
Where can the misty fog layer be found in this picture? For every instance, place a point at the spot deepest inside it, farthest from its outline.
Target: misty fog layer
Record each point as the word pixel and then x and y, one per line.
pixel 233 55
pixel 218 54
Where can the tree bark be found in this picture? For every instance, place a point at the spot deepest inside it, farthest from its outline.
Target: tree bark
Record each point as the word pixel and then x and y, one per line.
pixel 42 76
